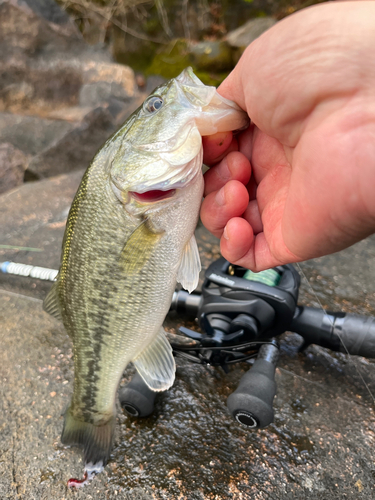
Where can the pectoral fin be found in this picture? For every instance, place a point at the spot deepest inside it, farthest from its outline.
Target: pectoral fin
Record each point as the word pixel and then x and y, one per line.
pixel 156 364
pixel 51 303
pixel 188 273
pixel 139 248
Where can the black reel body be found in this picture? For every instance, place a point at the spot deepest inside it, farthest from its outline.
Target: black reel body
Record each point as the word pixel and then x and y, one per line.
pixel 232 302
pixel 241 313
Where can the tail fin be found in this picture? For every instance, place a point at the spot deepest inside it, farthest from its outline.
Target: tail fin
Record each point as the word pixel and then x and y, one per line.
pixel 96 440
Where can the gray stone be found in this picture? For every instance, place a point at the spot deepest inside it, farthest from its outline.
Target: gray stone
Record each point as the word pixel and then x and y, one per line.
pixel 44 66
pixel 247 33
pixel 104 81
pixel 77 148
pixel 51 11
pixel 23 31
pixel 13 164
pixel 31 134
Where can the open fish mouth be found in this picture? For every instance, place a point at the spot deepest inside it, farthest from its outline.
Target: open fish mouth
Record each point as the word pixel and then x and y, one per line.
pixel 153 195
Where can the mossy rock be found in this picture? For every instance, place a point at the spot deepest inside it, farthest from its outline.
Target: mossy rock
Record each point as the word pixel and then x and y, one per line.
pixel 178 55
pixel 215 56
pixel 170 60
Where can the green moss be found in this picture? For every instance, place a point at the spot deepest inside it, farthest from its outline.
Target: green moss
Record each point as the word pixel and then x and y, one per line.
pixel 175 57
pixel 171 60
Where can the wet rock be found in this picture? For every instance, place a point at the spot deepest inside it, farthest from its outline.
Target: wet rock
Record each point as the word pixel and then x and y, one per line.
pixel 320 445
pixel 13 164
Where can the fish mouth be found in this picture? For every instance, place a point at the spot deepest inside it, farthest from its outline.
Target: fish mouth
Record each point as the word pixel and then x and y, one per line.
pixel 153 195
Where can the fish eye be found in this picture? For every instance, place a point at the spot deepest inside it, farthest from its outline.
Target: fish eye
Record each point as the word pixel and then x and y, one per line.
pixel 153 104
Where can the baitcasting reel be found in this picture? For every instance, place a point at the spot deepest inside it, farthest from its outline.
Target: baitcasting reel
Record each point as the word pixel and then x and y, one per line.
pixel 241 313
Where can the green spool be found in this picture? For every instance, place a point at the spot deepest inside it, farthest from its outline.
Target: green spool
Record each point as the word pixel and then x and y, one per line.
pixel 269 277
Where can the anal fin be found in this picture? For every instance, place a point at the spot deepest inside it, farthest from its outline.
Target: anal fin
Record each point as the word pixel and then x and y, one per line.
pixel 156 364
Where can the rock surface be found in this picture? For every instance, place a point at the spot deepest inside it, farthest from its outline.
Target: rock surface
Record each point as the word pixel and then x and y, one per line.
pixel 61 99
pixel 13 164
pixel 248 32
pixel 320 445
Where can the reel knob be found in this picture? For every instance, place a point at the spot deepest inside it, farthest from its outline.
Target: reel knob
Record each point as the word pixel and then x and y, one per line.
pixel 137 399
pixel 251 403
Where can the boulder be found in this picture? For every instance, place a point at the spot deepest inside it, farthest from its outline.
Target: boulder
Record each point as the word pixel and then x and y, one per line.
pixel 31 134
pixel 103 81
pixel 13 164
pixel 248 32
pixel 78 146
pixel 46 65
pixel 76 149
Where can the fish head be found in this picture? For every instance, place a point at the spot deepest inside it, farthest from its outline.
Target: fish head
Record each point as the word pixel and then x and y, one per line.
pixel 161 144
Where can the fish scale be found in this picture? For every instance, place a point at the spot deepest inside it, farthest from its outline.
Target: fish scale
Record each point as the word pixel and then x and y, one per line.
pixel 122 253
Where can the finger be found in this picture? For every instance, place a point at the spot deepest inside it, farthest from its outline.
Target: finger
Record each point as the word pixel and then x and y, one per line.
pixel 252 216
pixel 220 206
pixel 234 166
pixel 266 153
pixel 214 146
pixel 239 245
pixel 233 146
pixel 245 141
pixel 237 240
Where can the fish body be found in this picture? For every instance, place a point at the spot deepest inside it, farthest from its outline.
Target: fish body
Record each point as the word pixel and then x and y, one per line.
pixel 129 238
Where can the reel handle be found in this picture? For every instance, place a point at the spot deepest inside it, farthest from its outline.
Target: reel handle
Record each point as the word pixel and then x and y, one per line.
pixel 251 403
pixel 137 399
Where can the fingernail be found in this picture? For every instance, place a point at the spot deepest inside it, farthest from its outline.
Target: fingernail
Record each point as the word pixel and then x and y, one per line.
pixel 220 197
pixel 225 233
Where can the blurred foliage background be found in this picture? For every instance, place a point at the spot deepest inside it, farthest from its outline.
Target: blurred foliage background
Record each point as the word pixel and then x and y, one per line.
pixel 164 36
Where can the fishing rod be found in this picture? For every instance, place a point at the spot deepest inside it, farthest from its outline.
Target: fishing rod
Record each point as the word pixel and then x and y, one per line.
pixel 241 314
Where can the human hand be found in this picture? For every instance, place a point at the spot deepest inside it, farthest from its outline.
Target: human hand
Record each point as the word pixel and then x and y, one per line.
pixel 308 85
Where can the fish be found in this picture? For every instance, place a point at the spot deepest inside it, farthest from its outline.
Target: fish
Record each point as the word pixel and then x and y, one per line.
pixel 129 238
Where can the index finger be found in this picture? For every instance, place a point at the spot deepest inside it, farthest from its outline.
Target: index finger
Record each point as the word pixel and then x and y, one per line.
pixel 216 146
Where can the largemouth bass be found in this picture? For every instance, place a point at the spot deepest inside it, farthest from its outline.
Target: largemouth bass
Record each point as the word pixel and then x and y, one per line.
pixel 129 238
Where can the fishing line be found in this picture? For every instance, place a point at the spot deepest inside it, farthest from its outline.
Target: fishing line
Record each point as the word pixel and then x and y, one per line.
pixel 337 333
